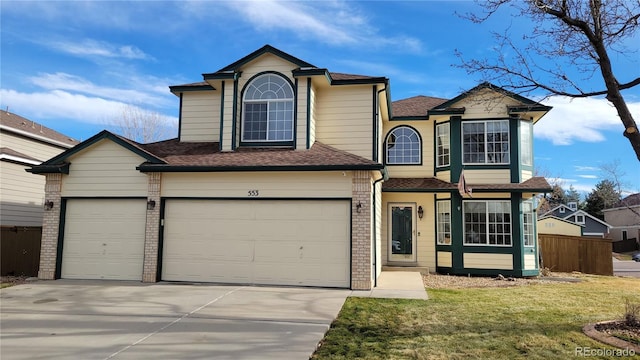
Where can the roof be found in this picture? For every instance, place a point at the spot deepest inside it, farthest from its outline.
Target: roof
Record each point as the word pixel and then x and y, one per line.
pixel 582 212
pixel 8 154
pixel 173 155
pixel 417 106
pixel 15 123
pixel 535 184
pixel 546 216
pixel 631 200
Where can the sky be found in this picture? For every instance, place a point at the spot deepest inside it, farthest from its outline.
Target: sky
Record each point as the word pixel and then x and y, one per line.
pixel 74 66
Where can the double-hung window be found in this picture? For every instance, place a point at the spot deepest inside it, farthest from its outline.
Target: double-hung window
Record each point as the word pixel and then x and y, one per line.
pixel 527 223
pixel 444 222
pixel 443 145
pixel 268 110
pixel 487 223
pixel 485 142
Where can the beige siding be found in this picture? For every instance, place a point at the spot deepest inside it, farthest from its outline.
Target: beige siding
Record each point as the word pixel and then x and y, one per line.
pixel 444 175
pixel 34 149
pixel 312 123
pixel 267 184
pixel 344 119
pixel 488 261
pixel 301 129
pixel 526 175
pixel 21 196
pixel 266 62
pixel 200 116
pixel 529 262
pixel 425 228
pixel 558 227
pixel 105 169
pixel 228 115
pixel 487 176
pixel 445 259
pixel 485 104
pixel 425 130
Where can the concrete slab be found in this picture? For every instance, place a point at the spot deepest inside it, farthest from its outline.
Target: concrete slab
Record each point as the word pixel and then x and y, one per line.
pixel 397 285
pixel 76 319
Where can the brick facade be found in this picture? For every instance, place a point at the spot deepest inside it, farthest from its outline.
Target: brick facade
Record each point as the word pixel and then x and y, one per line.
pixel 361 231
pixel 50 227
pixel 152 230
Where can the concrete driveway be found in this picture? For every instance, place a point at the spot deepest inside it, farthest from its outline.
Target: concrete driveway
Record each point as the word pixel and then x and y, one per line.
pixel 79 319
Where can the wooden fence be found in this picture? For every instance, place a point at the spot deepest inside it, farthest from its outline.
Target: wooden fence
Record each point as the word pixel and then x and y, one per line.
pixel 565 253
pixel 20 250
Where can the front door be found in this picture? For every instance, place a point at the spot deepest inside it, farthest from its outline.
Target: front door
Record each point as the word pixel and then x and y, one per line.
pixel 402 230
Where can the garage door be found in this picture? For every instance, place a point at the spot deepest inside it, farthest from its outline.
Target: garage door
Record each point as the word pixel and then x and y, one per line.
pixel 104 239
pixel 304 243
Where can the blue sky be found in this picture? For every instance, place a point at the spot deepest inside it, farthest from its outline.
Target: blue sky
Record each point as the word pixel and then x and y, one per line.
pixel 73 65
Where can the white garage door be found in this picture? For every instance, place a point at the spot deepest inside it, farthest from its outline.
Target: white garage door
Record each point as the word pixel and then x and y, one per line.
pixel 276 242
pixel 104 239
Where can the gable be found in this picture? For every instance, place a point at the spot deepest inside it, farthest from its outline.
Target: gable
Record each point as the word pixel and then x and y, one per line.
pixel 263 64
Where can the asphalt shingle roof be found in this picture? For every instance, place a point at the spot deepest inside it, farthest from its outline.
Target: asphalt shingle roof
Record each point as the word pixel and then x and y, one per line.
pixel 433 184
pixel 20 123
pixel 415 106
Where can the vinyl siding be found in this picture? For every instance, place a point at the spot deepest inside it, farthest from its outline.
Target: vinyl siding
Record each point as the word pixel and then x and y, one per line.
pixel 34 149
pixel 301 129
pixel 487 176
pixel 21 196
pixel 425 229
pixel 200 116
pixel 425 130
pixel 227 115
pixel 268 184
pixel 344 119
pixel 312 112
pixel 558 227
pixel 526 175
pixel 445 259
pixel 485 104
pixel 529 262
pixel 105 169
pixel 488 261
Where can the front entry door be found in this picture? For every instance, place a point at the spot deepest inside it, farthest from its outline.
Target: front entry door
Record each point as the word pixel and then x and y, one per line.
pixel 402 233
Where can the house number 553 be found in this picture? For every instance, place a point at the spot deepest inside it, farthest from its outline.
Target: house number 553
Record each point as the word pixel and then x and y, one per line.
pixel 253 193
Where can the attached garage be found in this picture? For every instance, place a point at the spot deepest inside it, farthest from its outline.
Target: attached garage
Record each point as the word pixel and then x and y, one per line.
pixel 103 239
pixel 274 242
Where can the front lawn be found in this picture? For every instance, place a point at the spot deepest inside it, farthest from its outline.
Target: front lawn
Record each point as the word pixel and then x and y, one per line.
pixel 536 321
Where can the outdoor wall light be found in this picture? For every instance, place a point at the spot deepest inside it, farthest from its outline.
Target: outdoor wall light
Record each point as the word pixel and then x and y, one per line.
pixel 420 212
pixel 151 204
pixel 48 205
pixel 359 207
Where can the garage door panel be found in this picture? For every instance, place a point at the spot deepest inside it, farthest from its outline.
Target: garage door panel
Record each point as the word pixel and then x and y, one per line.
pixel 104 239
pixel 262 242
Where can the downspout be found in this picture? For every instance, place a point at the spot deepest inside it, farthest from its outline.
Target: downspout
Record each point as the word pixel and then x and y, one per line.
pixel 383 172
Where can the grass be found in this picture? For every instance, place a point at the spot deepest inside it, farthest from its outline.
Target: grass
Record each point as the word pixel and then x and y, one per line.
pixel 542 321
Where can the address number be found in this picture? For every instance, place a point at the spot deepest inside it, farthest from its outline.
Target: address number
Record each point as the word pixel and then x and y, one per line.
pixel 252 193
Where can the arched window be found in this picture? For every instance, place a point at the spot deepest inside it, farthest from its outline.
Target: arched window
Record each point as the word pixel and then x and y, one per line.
pixel 403 146
pixel 268 109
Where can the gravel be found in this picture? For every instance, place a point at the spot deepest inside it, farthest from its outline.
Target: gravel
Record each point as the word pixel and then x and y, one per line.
pixel 437 281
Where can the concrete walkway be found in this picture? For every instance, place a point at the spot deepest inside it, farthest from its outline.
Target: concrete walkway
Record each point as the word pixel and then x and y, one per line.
pixel 397 285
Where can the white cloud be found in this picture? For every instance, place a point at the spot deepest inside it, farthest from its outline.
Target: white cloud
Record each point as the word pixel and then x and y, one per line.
pixel 588 176
pixel 586 168
pixel 583 119
pixel 95 48
pixel 59 104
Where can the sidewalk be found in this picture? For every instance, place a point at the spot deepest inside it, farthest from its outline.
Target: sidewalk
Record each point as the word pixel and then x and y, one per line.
pixel 396 285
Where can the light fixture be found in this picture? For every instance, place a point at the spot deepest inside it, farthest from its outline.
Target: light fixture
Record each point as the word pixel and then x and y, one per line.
pixel 420 212
pixel 151 204
pixel 48 205
pixel 359 207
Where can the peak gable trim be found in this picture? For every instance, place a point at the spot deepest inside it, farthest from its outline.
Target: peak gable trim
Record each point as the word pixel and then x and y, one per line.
pixel 233 67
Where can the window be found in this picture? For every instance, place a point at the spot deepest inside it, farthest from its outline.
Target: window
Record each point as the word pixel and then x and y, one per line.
pixel 580 219
pixel 485 142
pixel 527 223
pixel 442 145
pixel 573 205
pixel 487 223
pixel 403 146
pixel 268 109
pixel 561 210
pixel 444 222
pixel 526 148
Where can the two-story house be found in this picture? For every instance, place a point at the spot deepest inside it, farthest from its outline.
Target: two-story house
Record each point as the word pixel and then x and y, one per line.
pixel 624 219
pixel 286 173
pixel 590 225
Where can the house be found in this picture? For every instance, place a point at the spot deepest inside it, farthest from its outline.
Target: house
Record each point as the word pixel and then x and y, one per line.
pixel 285 173
pixel 591 225
pixel 554 225
pixel 624 218
pixel 23 143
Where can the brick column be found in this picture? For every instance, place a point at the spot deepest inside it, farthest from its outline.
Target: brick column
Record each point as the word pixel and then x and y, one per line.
pixel 361 231
pixel 50 227
pixel 152 231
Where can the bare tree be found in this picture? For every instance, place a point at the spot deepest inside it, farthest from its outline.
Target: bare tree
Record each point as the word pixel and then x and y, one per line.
pixel 571 34
pixel 142 125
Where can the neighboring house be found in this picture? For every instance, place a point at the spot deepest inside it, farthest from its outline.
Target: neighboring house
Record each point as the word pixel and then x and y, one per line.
pixel 285 173
pixel 24 143
pixel 554 225
pixel 591 225
pixel 624 218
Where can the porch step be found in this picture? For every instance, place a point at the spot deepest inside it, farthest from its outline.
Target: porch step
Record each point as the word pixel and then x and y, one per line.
pixel 420 269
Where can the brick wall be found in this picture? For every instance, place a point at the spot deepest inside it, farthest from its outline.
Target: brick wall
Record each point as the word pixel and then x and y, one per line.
pixel 50 228
pixel 361 231
pixel 152 232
